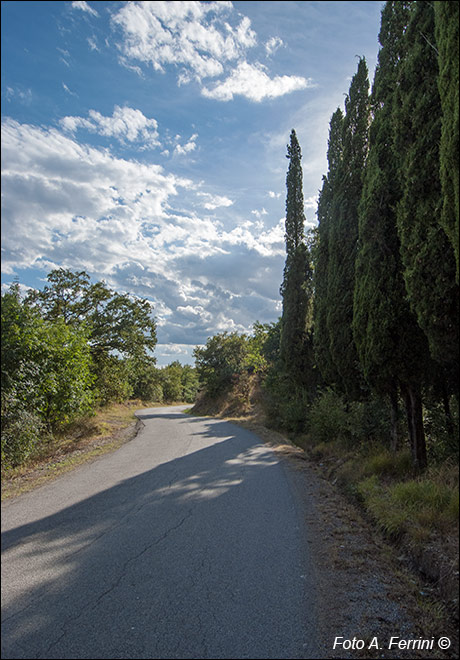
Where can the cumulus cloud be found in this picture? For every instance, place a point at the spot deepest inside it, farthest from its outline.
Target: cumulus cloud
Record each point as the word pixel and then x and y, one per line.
pixel 199 39
pixel 255 84
pixel 311 202
pixel 212 202
pixel 182 149
pixel 125 124
pixel 187 34
pixel 273 44
pixel 67 204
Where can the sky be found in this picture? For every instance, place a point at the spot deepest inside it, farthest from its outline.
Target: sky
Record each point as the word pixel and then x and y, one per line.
pixel 145 143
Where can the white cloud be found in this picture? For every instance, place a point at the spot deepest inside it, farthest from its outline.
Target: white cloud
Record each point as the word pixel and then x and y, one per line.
pixel 213 202
pixel 84 6
pixel 188 34
pixel 198 39
pixel 67 204
pixel 69 91
pixel 24 95
pixel 92 41
pixel 311 202
pixel 71 205
pixel 189 146
pixel 252 82
pixel 260 213
pixel 273 44
pixel 125 124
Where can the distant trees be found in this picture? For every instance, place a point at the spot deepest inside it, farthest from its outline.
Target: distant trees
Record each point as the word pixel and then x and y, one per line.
pixel 221 360
pixel 119 327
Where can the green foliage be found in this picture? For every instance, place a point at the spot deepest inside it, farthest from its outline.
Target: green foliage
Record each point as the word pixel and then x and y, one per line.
pixel 386 463
pixel 112 382
pixel 220 361
pixel 65 349
pixel 119 324
pixel 190 383
pixel 331 417
pixel 427 253
pixel 322 345
pixel 446 30
pixel 413 507
pixel 46 376
pixel 342 236
pixel 257 359
pixel 145 381
pixel 64 387
pixel 22 430
pixel 295 214
pixel 328 419
pixel 296 349
pixel 173 383
pixel 442 429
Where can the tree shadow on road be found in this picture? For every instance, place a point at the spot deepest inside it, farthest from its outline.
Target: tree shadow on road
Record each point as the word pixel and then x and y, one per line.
pixel 196 558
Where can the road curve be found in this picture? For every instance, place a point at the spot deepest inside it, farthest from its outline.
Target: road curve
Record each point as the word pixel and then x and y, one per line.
pixel 187 542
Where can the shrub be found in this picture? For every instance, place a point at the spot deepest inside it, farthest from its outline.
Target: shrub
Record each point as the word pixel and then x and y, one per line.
pixel 22 431
pixel 223 357
pixel 327 418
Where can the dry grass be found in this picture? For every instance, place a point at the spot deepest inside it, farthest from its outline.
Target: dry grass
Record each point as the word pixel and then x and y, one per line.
pixel 84 441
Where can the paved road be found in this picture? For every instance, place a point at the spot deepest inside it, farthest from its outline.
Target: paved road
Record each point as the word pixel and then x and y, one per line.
pixel 187 542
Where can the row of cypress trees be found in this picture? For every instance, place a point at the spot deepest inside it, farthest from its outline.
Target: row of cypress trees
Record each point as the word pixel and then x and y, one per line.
pixel 373 304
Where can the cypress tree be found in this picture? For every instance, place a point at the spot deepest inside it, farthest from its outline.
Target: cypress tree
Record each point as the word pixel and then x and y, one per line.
pixel 391 347
pixel 446 29
pixel 322 348
pixel 343 235
pixel 296 289
pixel 427 254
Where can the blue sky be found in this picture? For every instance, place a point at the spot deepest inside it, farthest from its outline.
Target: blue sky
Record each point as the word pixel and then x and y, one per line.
pixel 145 143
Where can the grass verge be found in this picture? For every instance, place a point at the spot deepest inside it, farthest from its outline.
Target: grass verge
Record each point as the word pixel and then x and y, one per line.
pixel 84 441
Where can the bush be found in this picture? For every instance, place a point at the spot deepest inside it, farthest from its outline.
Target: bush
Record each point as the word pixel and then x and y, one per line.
pixel 22 432
pixel 223 358
pixel 328 419
pixel 145 382
pixel 112 381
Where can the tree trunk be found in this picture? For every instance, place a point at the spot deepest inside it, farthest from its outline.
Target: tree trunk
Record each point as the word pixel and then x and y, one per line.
pixel 413 402
pixel 450 426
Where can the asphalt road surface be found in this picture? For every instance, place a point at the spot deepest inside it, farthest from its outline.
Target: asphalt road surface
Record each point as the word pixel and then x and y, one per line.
pixel 187 542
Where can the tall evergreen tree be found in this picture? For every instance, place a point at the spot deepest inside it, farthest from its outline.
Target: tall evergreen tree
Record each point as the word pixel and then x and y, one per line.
pixel 427 253
pixel 392 349
pixel 321 334
pixel 296 289
pixel 446 29
pixel 343 234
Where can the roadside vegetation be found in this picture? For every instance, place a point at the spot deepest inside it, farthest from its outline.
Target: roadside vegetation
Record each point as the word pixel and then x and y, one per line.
pixel 71 351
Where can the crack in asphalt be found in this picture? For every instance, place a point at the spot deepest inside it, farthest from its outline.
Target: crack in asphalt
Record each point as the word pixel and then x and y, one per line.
pixel 123 570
